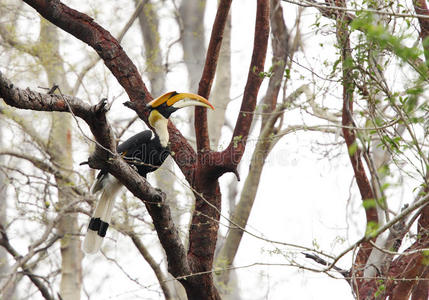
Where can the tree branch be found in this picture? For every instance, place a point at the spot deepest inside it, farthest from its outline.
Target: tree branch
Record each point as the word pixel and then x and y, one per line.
pixel 201 127
pixel 25 126
pixel 343 38
pixel 218 163
pixel 105 156
pixel 254 80
pixel 151 261
pixel 45 167
pixel 21 261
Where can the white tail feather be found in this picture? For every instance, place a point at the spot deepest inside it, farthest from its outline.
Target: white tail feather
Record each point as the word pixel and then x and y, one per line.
pixel 92 242
pixel 103 211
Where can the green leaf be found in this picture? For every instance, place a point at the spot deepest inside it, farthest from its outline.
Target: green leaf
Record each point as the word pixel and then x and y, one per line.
pixel 371 229
pixel 369 203
pixel 425 260
pixel 380 289
pixel 352 149
pixel 381 36
pixel 236 140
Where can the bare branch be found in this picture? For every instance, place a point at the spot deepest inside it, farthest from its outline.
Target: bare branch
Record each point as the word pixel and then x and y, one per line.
pixel 45 167
pixel 151 261
pixel 232 155
pixel 201 128
pixel 21 261
pixel 323 262
pixel 22 122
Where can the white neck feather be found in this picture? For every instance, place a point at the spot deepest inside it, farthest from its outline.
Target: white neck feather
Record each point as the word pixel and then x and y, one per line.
pixel 159 124
pixel 161 129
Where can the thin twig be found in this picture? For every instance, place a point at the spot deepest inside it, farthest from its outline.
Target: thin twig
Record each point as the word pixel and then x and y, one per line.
pixel 312 3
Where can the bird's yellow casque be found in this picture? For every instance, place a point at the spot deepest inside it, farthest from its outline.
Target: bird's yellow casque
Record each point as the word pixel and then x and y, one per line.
pixel 172 98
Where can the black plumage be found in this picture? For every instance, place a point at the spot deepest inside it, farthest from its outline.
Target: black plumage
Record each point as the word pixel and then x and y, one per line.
pixel 144 151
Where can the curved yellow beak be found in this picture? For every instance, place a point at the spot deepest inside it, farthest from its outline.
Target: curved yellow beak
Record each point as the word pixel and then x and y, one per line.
pixel 179 100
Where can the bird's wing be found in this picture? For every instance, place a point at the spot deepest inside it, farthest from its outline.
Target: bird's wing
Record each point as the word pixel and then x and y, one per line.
pixel 126 149
pixel 134 142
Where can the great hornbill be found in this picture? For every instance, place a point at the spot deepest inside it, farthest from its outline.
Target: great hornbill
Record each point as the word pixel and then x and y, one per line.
pixel 146 151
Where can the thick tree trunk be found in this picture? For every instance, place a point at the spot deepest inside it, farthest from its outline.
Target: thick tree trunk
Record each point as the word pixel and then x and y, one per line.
pixel 60 150
pixel 193 39
pixel 220 98
pixel 149 27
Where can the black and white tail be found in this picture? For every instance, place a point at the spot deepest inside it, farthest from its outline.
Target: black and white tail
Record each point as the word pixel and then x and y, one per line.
pixel 109 187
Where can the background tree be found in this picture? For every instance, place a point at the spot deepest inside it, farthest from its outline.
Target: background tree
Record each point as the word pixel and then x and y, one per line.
pixel 4 259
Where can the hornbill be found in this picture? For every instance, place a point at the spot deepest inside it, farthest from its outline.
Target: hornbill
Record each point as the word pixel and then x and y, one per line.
pixel 146 151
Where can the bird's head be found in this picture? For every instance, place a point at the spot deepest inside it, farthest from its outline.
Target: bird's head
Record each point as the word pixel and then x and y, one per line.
pixel 170 102
pixel 162 107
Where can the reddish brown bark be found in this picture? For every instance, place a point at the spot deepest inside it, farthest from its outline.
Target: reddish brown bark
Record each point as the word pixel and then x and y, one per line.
pixel 350 138
pixel 406 267
pixel 85 29
pixel 201 127
pixel 218 163
pixel 360 175
pixel 238 141
pixel 421 8
pixel 205 221
pixel 421 290
pixel 407 272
